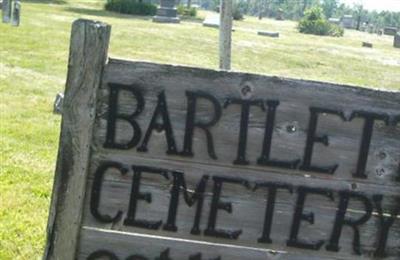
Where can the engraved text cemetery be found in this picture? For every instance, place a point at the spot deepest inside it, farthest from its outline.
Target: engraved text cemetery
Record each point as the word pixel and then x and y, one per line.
pixel 349 209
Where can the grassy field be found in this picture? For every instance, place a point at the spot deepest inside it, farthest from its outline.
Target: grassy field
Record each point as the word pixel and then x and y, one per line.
pixel 33 63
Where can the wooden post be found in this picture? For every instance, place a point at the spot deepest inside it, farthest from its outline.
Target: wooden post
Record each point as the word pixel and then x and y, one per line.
pixel 87 57
pixel 7 4
pixel 225 35
pixel 16 13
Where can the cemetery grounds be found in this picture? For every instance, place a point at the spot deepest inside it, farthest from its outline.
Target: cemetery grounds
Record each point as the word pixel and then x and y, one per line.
pixel 33 65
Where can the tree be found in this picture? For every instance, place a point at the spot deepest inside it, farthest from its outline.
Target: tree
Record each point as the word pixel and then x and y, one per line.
pixel 359 13
pixel 329 7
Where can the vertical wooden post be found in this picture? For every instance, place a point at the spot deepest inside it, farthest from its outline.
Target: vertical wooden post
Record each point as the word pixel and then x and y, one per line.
pixel 6 12
pixel 225 35
pixel 16 13
pixel 87 58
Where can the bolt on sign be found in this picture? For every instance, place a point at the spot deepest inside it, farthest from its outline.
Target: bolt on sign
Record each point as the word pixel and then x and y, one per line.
pixel 170 162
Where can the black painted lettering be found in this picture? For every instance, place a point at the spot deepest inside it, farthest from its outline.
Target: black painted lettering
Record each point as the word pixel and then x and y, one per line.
pixel 217 204
pixel 113 115
pixel 191 122
pixel 179 183
pixel 137 195
pixel 96 191
pixel 266 149
pixel 368 128
pixel 313 138
pixel 160 111
pixel 299 215
pixel 198 256
pixel 272 188
pixel 164 255
pixel 244 125
pixel 385 224
pixel 101 254
pixel 342 220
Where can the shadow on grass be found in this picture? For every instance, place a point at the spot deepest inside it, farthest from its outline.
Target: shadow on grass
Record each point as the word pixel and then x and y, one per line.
pixel 57 2
pixel 103 13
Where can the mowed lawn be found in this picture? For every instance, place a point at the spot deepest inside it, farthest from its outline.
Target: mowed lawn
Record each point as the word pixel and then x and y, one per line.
pixel 33 64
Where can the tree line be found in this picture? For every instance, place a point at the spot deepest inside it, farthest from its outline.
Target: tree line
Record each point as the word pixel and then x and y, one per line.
pixel 294 10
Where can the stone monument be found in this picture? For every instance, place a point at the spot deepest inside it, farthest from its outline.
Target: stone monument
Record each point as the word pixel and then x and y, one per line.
pixel 347 22
pixel 280 15
pixel 166 13
pixel 396 42
pixel 391 31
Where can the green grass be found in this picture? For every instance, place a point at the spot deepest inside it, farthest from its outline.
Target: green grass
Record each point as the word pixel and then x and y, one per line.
pixel 33 63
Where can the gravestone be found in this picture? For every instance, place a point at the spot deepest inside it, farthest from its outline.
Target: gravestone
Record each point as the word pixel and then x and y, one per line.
pixel 6 11
pixel 269 34
pixel 280 15
pixel 171 162
pixel 347 22
pixel 367 44
pixel 16 13
pixel 211 21
pixel 390 31
pixel 396 42
pixel 166 13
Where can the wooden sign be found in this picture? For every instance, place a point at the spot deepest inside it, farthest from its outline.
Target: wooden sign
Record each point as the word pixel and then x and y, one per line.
pixel 171 162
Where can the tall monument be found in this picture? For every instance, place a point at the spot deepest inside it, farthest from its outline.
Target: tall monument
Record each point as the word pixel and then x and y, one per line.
pixel 166 13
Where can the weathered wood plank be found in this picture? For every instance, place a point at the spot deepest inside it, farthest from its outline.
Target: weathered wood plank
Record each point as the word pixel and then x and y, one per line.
pixel 292 119
pixel 128 244
pixel 88 54
pixel 248 208
pixel 225 34
pixel 290 132
pixel 129 180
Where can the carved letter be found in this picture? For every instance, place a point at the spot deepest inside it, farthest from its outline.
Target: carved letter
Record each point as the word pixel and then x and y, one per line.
pixel 198 195
pixel 266 149
pixel 385 224
pixel 161 110
pixel 164 255
pixel 342 220
pixel 96 191
pixel 191 122
pixel 101 254
pixel 309 217
pixel 113 115
pixel 269 211
pixel 244 124
pixel 216 204
pixel 366 139
pixel 312 138
pixel 137 195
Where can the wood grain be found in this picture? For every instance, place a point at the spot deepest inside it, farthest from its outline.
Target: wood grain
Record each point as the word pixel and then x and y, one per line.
pixel 289 138
pixel 128 244
pixel 88 54
pixel 73 231
pixel 295 96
